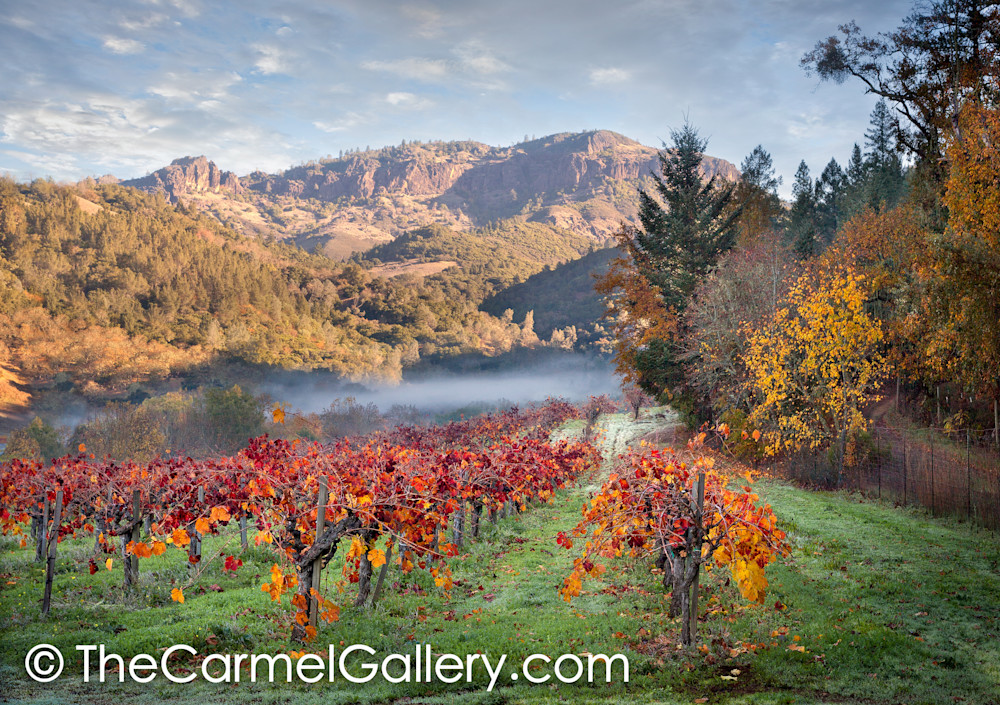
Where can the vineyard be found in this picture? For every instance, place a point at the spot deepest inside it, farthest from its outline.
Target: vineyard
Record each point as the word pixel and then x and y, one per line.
pixel 456 536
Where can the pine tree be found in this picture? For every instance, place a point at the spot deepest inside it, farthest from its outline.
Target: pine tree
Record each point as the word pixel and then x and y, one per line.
pixel 757 193
pixel 802 217
pixel 885 183
pixel 680 238
pixel 830 188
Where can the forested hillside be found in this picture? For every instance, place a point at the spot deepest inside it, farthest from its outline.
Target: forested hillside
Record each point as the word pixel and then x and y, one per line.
pixel 104 287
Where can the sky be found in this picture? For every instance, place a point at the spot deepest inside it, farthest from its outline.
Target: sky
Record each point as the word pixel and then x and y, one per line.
pixel 124 87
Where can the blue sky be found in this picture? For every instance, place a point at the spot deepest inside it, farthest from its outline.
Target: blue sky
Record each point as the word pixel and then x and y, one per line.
pixel 90 88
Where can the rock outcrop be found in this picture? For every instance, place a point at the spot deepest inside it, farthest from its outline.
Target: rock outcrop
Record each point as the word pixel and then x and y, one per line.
pixel 187 176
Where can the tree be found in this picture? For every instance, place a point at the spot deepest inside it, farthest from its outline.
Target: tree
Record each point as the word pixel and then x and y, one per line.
pixel 37 440
pixel 802 217
pixel 643 328
pixel 816 364
pixel 757 193
pixel 677 241
pixel 943 56
pixel 682 236
pixel 232 417
pixel 830 187
pixel 886 183
pixel 967 258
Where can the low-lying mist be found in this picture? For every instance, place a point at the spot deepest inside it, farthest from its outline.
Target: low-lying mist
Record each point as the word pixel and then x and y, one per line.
pixel 572 376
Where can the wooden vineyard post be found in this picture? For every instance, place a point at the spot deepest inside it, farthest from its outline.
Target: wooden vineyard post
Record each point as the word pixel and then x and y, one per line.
pixel 43 530
pixel 53 542
pixel 700 499
pixel 243 530
pixel 878 461
pixel 194 548
pixel 318 564
pixel 904 467
pixel 243 525
pixel 381 575
pixel 132 562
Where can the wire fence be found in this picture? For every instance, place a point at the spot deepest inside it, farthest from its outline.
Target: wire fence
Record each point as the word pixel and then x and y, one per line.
pixel 954 473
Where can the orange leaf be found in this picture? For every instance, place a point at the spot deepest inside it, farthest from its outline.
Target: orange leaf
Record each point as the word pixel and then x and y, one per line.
pixel 202 526
pixel 220 514
pixel 278 415
pixel 108 563
pixel 180 538
pixel 177 595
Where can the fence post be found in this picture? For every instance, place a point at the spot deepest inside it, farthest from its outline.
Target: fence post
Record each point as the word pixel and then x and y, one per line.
pixel 194 547
pixel 318 563
pixel 878 461
pixel 931 437
pixel 904 467
pixel 968 476
pixel 53 541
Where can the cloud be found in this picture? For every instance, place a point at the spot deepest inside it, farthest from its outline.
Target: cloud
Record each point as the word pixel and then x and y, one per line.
pixel 417 69
pixel 120 45
pixel 408 101
pixel 609 76
pixel 271 60
pixel 93 85
pixel 346 123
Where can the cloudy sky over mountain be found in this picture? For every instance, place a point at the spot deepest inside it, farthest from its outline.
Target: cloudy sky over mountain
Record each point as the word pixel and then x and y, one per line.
pixel 119 87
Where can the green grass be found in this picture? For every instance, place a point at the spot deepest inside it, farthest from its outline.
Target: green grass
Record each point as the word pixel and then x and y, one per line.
pixel 889 605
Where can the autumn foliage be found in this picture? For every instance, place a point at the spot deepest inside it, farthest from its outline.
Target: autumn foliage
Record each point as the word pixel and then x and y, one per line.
pixel 393 491
pixel 649 508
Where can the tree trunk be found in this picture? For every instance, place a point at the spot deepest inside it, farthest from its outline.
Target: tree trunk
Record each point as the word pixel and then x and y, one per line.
pixel 477 510
pixel 381 575
pixel 365 571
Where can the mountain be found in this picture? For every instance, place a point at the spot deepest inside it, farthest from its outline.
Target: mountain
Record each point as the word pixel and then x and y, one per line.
pixel 583 182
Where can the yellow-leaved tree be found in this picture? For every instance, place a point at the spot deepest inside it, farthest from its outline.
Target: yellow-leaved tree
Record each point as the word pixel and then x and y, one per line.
pixel 815 364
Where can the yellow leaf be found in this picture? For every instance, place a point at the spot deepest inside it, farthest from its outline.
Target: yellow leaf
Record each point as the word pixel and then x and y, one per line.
pixel 278 415
pixel 177 595
pixel 108 563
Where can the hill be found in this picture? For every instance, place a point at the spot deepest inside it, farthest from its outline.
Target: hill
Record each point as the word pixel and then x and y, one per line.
pixel 560 296
pixel 134 290
pixel 585 182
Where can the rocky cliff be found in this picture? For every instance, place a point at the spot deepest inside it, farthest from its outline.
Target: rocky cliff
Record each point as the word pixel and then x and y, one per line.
pixel 189 176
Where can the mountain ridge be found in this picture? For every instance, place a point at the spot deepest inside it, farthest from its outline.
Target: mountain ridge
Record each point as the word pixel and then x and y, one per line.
pixel 587 182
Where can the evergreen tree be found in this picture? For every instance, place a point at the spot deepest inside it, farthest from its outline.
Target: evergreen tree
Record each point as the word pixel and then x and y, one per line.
pixel 680 238
pixel 830 188
pixel 885 182
pixel 757 194
pixel 802 217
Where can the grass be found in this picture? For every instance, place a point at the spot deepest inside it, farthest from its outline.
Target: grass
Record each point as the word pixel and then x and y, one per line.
pixel 888 605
